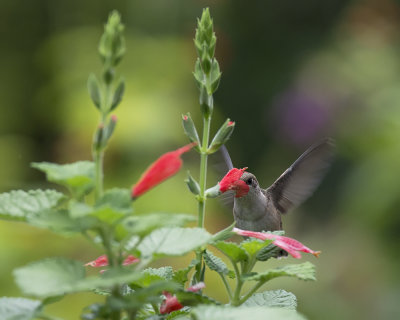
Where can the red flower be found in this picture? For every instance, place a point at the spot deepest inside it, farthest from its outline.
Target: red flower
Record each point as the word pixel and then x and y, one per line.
pixel 171 302
pixel 290 245
pixel 163 168
pixel 232 181
pixel 102 261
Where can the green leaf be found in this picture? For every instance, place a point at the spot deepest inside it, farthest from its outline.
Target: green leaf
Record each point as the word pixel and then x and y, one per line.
pixel 78 176
pixel 144 224
pixel 49 277
pixel 59 221
pixel 172 242
pixel 18 308
pixel 241 313
pixel 272 299
pixel 224 233
pixel 181 276
pixel 215 263
pixel 58 276
pixel 253 246
pixel 302 271
pixel 232 250
pixel 113 205
pixel 152 275
pixel 188 298
pixel 19 205
pixel 270 251
pixel 179 314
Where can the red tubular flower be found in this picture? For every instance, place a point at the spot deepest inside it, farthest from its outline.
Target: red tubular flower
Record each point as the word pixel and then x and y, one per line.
pixel 232 181
pixel 102 261
pixel 163 168
pixel 171 302
pixel 290 245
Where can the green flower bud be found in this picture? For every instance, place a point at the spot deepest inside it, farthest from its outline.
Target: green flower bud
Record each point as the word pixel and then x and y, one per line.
pixel 222 136
pixel 98 137
pixel 192 184
pixel 118 94
pixel 206 102
pixel 198 74
pixel 109 129
pixel 94 90
pixel 190 129
pixel 213 192
pixel 112 42
pixel 215 76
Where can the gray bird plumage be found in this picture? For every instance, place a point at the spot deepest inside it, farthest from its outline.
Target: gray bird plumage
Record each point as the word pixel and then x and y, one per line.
pixel 261 209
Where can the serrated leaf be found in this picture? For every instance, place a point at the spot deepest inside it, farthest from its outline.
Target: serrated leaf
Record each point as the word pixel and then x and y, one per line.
pixel 152 275
pixel 49 277
pixel 270 251
pixel 272 299
pixel 144 224
pixel 252 246
pixel 58 276
pixel 179 314
pixel 113 205
pixel 18 308
pixel 232 250
pixel 215 263
pixel 19 205
pixel 302 271
pixel 78 176
pixel 172 242
pixel 241 313
pixel 181 276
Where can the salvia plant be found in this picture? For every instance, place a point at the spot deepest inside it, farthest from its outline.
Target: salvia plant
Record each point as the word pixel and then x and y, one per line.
pixel 131 289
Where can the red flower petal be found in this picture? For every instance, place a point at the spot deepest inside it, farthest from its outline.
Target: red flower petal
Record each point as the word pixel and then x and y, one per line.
pixel 232 181
pixel 197 287
pixel 163 168
pixel 101 261
pixel 290 245
pixel 130 260
pixel 170 304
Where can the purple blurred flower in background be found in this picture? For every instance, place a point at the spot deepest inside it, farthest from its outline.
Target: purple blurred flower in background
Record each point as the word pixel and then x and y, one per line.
pixel 302 117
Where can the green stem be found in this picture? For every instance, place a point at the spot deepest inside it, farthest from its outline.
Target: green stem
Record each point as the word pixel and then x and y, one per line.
pixel 98 160
pixel 203 171
pixel 203 181
pixel 239 283
pixel 251 292
pixel 227 286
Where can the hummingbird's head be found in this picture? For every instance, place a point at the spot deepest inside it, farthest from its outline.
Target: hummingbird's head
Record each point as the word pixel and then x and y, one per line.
pixel 251 181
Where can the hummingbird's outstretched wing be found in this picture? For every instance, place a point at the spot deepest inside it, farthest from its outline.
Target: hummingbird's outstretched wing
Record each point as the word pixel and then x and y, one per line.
pixel 300 180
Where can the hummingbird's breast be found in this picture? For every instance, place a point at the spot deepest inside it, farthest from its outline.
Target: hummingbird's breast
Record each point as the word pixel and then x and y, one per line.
pixel 255 212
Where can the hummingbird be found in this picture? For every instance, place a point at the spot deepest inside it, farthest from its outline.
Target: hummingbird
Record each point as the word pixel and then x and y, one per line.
pixel 262 209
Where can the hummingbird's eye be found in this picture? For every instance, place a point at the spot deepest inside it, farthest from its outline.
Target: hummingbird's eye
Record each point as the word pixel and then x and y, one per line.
pixel 249 181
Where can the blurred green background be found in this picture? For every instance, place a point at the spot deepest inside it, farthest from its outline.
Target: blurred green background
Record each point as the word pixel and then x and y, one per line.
pixel 293 72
